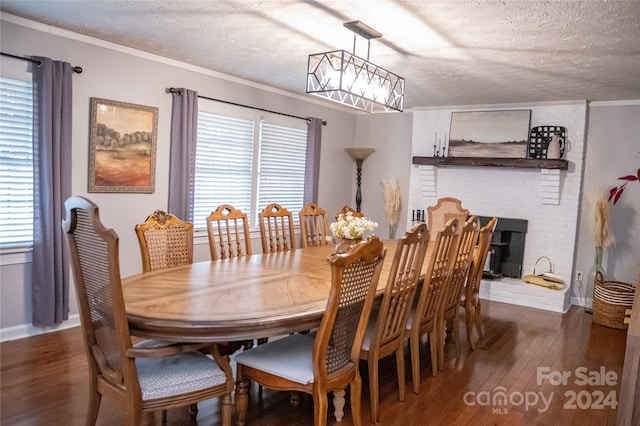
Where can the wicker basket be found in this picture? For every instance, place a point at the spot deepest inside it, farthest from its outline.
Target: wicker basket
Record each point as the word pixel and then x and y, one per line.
pixel 610 301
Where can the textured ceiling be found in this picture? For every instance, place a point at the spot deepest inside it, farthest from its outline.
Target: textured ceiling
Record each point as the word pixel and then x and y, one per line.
pixel 449 52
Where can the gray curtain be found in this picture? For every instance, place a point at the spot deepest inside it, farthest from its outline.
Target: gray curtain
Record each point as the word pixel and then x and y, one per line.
pixel 52 98
pixel 312 175
pixel 184 128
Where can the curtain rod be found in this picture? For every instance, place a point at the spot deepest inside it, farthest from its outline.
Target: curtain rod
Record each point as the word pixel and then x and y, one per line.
pixel 77 70
pixel 179 92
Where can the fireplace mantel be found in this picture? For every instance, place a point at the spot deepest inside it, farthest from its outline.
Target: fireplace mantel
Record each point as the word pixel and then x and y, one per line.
pixel 492 162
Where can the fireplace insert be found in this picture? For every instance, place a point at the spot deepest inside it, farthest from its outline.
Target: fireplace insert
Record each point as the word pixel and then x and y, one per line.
pixel 507 248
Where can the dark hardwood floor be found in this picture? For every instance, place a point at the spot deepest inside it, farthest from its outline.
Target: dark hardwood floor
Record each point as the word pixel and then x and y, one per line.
pixel 44 380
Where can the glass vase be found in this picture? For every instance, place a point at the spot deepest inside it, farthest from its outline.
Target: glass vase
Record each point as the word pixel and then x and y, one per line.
pixel 346 244
pixel 591 279
pixel 392 232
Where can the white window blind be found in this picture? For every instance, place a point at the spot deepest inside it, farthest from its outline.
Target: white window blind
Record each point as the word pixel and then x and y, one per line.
pixel 247 161
pixel 16 162
pixel 224 156
pixel 281 167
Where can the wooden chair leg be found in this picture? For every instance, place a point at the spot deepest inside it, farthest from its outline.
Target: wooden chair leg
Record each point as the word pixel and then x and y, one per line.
pixel 477 315
pixel 441 332
pixel 356 398
pixel 414 347
pixel 226 410
pixel 433 344
pixel 320 408
pixel 373 388
pixel 400 371
pixel 94 402
pixel 456 335
pixel 469 324
pixel 193 411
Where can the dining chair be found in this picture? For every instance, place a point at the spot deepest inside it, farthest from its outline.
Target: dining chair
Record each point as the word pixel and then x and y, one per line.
pixel 348 209
pixel 424 318
pixel 141 377
pixel 228 231
pixel 454 286
pixel 471 299
pixel 314 227
pixel 165 241
pixel 276 229
pixel 385 332
pixel 328 359
pixel 439 214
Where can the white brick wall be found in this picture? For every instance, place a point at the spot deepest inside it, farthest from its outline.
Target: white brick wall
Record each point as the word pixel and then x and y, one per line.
pixel 548 199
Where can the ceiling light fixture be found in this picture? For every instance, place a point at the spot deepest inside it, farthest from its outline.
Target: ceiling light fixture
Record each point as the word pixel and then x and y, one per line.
pixel 345 78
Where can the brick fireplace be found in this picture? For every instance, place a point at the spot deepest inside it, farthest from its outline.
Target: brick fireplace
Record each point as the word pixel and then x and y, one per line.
pixel 546 199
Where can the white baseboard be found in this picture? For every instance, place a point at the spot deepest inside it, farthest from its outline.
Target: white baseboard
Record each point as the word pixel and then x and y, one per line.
pixel 27 330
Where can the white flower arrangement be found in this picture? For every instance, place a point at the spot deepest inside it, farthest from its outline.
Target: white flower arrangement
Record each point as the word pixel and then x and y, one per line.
pixel 350 226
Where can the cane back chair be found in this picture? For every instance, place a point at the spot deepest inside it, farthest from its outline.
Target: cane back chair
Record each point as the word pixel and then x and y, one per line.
pixel 165 241
pixel 140 377
pixel 327 360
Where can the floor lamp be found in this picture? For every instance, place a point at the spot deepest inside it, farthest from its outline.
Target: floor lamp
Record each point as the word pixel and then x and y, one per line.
pixel 359 155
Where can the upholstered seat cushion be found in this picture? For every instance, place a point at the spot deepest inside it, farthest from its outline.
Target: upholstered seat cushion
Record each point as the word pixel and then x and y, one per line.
pixel 177 374
pixel 289 357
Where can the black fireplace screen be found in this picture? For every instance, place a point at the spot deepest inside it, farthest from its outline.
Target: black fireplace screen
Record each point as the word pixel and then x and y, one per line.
pixel 507 248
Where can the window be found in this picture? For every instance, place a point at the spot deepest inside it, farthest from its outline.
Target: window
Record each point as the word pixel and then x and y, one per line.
pixel 16 163
pixel 248 161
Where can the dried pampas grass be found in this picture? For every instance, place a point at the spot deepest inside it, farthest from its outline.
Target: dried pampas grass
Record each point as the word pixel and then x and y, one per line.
pixel 601 227
pixel 391 193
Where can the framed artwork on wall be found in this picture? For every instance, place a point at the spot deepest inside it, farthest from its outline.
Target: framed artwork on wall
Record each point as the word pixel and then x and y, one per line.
pixel 493 134
pixel 122 152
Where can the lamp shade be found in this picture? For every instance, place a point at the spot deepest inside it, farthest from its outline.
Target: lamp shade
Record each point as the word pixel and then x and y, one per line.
pixel 359 153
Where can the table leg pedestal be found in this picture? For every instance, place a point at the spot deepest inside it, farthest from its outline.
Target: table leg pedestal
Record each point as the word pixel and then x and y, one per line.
pixel 338 404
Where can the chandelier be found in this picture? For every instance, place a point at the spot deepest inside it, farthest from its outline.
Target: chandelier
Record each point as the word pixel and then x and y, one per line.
pixel 345 78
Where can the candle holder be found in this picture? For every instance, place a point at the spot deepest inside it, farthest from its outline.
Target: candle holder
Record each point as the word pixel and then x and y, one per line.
pixel 359 155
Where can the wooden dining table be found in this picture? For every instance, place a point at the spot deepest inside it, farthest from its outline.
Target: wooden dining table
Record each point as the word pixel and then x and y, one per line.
pixel 242 298
pixel 235 299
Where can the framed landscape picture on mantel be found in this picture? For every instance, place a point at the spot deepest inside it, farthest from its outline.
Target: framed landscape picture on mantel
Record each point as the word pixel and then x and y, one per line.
pixel 122 153
pixel 491 134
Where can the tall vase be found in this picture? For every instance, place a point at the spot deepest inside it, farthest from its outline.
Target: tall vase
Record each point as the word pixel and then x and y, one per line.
pixel 392 232
pixel 591 279
pixel 346 244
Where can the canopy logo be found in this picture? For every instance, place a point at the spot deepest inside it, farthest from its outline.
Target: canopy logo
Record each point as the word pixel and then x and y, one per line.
pixel 501 401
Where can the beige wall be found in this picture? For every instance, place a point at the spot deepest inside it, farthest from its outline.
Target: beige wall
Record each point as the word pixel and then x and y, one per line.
pixel 117 73
pixel 111 72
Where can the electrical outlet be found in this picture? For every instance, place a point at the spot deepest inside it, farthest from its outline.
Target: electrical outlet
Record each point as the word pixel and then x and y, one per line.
pixel 579 275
